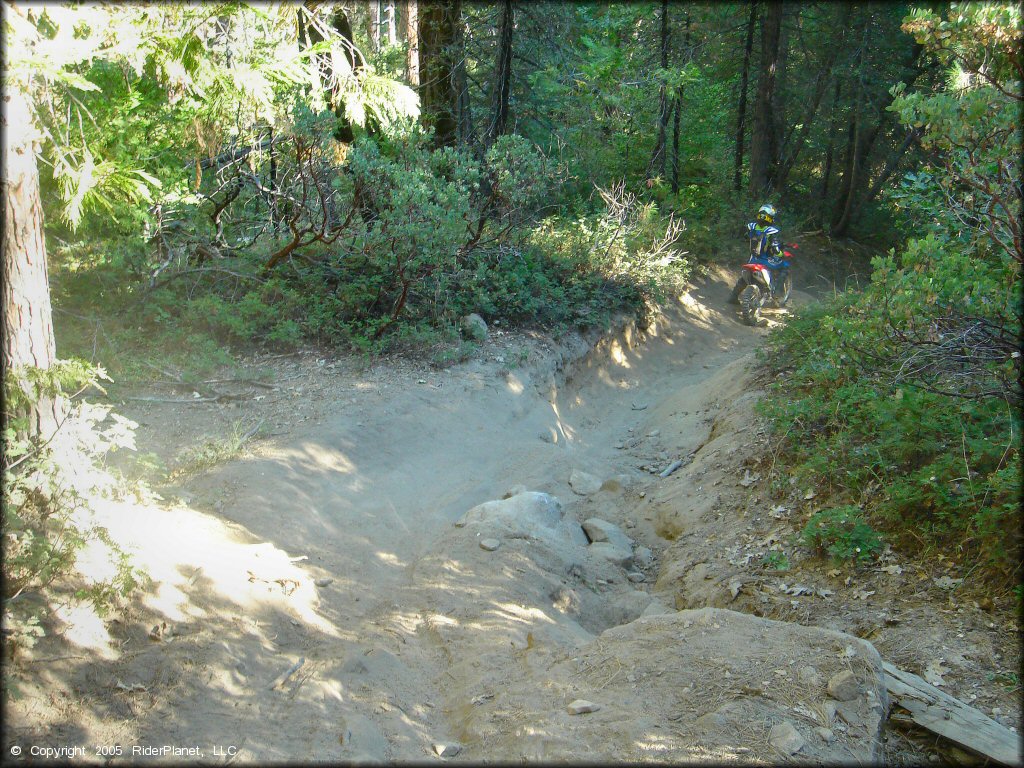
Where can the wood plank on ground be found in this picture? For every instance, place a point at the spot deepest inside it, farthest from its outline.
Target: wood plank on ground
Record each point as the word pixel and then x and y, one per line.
pixel 940 713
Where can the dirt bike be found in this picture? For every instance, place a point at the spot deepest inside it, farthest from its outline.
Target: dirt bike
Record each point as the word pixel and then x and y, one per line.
pixel 762 283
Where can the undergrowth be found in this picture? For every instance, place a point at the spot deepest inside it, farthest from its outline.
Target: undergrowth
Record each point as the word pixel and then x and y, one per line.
pixel 934 473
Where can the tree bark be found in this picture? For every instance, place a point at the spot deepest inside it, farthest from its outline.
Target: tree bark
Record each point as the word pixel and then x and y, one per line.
pixel 741 126
pixel 375 19
pixel 27 315
pixel 826 176
pixel 791 147
pixel 762 138
pixel 438 29
pixel 502 75
pixel 658 155
pixel 392 22
pixel 677 107
pixel 892 163
pixel 412 39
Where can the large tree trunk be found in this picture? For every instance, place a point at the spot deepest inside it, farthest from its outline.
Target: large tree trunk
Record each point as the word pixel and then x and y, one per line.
pixel 439 25
pixel 27 317
pixel 502 75
pixel 741 125
pixel 764 129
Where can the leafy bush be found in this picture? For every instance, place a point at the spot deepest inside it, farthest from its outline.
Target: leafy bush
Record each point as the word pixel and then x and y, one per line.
pixel 47 521
pixel 932 470
pixel 843 533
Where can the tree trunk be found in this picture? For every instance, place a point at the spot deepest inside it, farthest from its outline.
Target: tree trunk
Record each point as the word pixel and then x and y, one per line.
pixel 678 105
pixel 27 317
pixel 762 138
pixel 439 95
pixel 778 103
pixel 502 75
pixel 826 176
pixel 392 22
pixel 892 163
pixel 791 147
pixel 741 126
pixel 840 218
pixel 375 19
pixel 658 155
pixel 412 39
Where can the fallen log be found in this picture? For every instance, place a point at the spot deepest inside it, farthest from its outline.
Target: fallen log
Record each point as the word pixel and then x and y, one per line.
pixel 940 713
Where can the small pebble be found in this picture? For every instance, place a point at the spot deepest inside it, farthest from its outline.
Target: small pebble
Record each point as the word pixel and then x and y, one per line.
pixel 489 544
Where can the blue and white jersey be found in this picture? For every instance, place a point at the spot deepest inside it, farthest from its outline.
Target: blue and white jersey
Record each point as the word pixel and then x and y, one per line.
pixel 764 240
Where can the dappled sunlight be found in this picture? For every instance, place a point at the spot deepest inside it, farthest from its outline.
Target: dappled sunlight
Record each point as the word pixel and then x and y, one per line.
pixel 180 547
pixel 313 456
pixel 521 614
pixel 513 384
pixel 84 628
pixel 389 558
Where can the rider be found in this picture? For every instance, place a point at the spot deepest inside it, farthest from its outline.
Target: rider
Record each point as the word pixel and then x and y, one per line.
pixel 764 243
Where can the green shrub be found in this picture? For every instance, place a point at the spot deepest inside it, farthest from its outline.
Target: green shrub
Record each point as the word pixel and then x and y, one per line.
pixel 47 490
pixel 843 533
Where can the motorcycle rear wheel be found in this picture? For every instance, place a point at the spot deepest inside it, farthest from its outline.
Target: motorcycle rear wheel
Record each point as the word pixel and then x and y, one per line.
pixel 750 304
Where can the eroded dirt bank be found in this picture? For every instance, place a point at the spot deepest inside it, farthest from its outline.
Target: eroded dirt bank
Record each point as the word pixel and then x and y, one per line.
pixel 396 571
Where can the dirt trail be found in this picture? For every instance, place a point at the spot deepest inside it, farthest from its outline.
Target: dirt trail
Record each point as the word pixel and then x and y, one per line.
pixel 327 597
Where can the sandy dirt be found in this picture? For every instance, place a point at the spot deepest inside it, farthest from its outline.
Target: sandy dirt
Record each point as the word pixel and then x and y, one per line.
pixel 391 567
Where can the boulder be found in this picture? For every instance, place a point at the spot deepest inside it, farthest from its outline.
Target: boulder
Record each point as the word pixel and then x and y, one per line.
pixel 474 327
pixel 599 530
pixel 583 483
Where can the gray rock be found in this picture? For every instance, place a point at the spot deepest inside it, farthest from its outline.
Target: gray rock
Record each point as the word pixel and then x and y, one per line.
pixel 829 708
pixel 786 738
pixel 565 600
pixel 809 676
pixel 584 483
pixel 827 735
pixel 323 582
pixel 524 511
pixel 655 608
pixel 636 577
pixel 489 544
pixel 599 530
pixel 643 557
pixel 843 686
pixel 447 750
pixel 712 721
pixel 619 555
pixel 474 327
pixel 582 706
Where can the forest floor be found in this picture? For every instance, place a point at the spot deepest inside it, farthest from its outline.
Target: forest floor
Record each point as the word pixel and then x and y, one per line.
pixel 385 563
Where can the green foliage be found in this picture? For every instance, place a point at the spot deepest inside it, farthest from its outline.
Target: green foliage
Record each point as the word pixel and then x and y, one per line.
pixel 47 521
pixel 26 385
pixel 928 468
pixel 776 561
pixel 843 533
pixel 905 399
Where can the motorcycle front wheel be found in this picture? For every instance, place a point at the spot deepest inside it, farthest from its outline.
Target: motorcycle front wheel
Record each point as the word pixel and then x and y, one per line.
pixel 750 304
